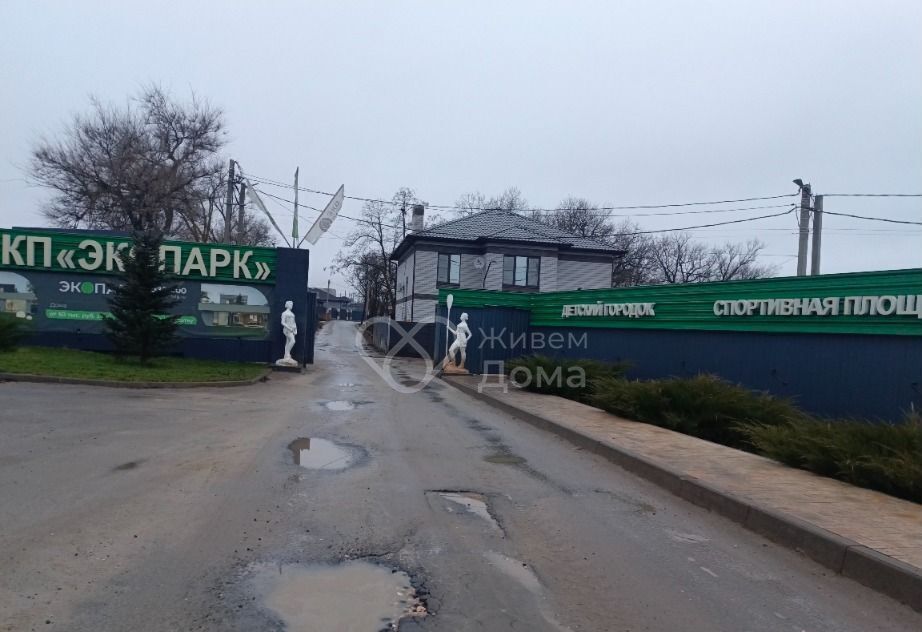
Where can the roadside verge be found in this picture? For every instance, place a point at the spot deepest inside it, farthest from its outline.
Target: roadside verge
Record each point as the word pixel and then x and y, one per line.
pixel 861 534
pixel 53 379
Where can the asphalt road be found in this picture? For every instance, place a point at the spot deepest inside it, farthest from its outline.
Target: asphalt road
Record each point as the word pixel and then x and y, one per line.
pixel 157 510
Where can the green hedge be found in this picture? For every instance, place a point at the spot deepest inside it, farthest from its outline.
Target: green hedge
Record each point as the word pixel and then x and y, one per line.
pixel 703 406
pixel 881 456
pixel 567 382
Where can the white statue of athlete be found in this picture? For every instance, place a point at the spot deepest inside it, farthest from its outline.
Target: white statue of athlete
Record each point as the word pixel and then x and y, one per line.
pixel 462 334
pixel 290 330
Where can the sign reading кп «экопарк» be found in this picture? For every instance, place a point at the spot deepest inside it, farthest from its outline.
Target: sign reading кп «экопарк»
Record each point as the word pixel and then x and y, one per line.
pixel 883 303
pixel 61 281
pixel 97 254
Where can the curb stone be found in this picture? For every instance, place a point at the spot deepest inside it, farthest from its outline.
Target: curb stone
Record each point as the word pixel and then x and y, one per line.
pixel 53 379
pixel 846 557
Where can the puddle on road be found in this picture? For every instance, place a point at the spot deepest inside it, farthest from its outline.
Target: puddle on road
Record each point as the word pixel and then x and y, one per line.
pixel 354 596
pixel 473 503
pixel 504 459
pixel 344 404
pixel 320 454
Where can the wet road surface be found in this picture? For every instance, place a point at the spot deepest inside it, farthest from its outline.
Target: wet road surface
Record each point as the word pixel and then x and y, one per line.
pixel 329 500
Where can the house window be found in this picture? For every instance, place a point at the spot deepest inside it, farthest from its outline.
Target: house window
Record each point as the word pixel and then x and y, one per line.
pixel 449 269
pixel 521 271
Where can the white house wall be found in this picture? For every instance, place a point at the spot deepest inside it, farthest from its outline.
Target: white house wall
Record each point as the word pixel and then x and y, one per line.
pixel 427 263
pixel 470 277
pixel 417 278
pixel 404 287
pixel 423 310
pixel 587 275
pixel 494 279
pixel 548 279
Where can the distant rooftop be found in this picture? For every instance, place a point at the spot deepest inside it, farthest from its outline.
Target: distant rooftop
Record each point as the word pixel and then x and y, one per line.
pixel 507 226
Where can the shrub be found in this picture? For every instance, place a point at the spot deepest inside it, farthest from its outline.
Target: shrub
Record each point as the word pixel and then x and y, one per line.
pixel 703 406
pixel 12 330
pixel 594 371
pixel 882 456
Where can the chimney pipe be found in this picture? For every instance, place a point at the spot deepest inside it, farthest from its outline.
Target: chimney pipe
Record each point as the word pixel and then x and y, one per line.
pixel 416 223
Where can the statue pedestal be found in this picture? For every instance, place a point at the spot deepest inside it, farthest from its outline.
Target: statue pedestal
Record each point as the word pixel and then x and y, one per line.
pixel 452 369
pixel 289 366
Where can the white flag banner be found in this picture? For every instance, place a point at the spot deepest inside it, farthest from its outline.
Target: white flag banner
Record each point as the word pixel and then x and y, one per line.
pixel 253 195
pixel 323 223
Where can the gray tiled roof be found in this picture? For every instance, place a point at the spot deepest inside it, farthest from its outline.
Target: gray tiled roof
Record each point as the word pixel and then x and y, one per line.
pixel 506 226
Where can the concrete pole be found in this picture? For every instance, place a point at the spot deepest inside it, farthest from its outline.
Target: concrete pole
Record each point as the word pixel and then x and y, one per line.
pixel 804 230
pixel 817 234
pixel 241 213
pixel 229 202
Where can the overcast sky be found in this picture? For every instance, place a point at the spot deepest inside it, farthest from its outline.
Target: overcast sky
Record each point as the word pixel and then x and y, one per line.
pixel 619 102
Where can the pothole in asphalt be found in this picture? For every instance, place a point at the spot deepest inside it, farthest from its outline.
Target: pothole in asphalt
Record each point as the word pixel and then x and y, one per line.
pixel 471 502
pixel 355 595
pixel 519 571
pixel 504 459
pixel 344 404
pixel 340 405
pixel 321 454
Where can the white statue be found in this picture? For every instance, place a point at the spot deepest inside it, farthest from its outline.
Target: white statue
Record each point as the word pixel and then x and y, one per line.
pixel 462 334
pixel 290 329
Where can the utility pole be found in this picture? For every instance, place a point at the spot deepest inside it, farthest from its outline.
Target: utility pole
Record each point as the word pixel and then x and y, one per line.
pixel 817 234
pixel 229 202
pixel 804 227
pixel 403 215
pixel 294 222
pixel 241 213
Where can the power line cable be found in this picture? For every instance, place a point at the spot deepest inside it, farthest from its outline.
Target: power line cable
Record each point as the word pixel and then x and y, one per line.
pixel 735 221
pixel 716 210
pixel 875 219
pixel 456 207
pixel 872 194
pixel 645 232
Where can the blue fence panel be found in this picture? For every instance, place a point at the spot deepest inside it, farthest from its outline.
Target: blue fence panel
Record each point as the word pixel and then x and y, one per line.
pixel 873 377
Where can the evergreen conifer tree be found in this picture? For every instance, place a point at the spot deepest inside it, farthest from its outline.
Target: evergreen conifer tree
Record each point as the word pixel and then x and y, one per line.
pixel 139 323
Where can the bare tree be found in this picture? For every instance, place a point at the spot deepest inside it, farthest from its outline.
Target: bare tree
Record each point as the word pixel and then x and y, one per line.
pixel 679 259
pixel 471 203
pixel 740 261
pixel 366 256
pixel 579 216
pixel 636 265
pixel 132 168
pixel 403 200
pixel 509 200
pixel 204 221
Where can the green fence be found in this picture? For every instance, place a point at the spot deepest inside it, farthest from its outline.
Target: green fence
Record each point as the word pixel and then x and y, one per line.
pixel 885 303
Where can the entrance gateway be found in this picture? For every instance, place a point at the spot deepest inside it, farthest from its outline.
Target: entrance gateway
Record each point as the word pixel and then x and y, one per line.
pixel 231 297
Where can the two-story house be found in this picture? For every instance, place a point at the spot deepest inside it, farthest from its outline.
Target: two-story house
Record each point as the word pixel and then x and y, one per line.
pixel 494 250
